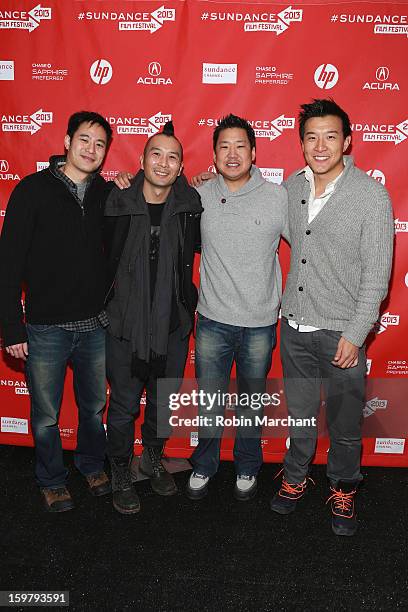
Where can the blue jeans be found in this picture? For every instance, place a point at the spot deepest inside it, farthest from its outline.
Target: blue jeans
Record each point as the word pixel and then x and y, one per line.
pixel 217 346
pixel 50 348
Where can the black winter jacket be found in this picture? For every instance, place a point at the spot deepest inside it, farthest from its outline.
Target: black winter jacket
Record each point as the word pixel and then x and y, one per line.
pixel 54 249
pixel 189 206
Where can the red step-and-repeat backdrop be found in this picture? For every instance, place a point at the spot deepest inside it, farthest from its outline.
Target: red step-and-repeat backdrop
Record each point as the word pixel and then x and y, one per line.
pixel 142 63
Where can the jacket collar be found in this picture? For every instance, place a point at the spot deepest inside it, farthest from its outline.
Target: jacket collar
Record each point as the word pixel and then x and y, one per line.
pixel 129 201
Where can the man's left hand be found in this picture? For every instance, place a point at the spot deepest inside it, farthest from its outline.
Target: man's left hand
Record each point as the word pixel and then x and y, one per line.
pixel 346 355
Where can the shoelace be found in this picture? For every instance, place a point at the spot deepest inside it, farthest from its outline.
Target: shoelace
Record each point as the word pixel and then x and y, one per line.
pixel 342 501
pixel 60 492
pixel 294 489
pixel 157 465
pixel 195 475
pixel 122 476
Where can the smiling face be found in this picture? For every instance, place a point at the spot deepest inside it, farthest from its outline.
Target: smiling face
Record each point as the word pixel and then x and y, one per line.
pixel 233 157
pixel 323 146
pixel 162 163
pixel 86 150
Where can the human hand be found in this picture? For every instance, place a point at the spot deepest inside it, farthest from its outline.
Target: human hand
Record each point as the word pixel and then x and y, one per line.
pixel 201 178
pixel 18 351
pixel 346 355
pixel 123 179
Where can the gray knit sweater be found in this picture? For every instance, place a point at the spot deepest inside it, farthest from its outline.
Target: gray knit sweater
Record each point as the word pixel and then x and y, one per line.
pixel 240 276
pixel 340 262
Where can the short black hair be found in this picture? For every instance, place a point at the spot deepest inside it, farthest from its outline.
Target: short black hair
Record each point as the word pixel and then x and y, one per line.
pixel 232 121
pixel 168 130
pixel 322 108
pixel 76 119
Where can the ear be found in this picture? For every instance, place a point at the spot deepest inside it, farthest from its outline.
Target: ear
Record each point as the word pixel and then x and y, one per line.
pixel 67 142
pixel 181 169
pixel 253 154
pixel 141 162
pixel 214 157
pixel 346 143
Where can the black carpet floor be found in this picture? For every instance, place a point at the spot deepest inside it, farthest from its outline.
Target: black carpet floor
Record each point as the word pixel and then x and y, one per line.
pixel 217 554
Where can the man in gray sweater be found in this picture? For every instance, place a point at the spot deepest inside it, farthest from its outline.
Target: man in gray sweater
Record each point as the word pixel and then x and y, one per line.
pixel 240 290
pixel 341 228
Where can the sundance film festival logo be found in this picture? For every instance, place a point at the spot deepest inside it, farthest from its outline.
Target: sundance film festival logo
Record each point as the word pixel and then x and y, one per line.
pixel 101 72
pixel 155 76
pixel 133 20
pixel 262 21
pixel 23 20
pixel 263 128
pixel 377 175
pixel 326 76
pixel 6 70
pixel 5 174
pixel 386 321
pixel 139 125
pixel 220 73
pixel 373 405
pixel 400 226
pixel 382 75
pixel 382 23
pixel 382 132
pixel 26 123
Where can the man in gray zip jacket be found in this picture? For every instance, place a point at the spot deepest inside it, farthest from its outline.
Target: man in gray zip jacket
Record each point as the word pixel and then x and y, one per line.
pixel 341 228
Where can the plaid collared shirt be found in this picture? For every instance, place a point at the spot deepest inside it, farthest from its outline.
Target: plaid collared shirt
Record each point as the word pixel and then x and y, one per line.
pixel 101 320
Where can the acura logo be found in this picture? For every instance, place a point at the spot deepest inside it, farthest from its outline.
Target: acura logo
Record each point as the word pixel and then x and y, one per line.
pixel 154 69
pixel 382 73
pixel 4 165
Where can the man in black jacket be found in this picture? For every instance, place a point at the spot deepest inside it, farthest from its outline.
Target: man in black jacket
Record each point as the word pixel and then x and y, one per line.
pixel 52 243
pixel 152 233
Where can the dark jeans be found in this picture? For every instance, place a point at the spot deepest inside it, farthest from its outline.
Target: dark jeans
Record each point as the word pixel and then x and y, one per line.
pixel 126 392
pixel 306 360
pixel 217 346
pixel 50 348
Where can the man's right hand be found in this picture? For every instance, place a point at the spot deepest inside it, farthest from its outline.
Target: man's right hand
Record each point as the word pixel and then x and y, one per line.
pixel 19 351
pixel 201 178
pixel 123 179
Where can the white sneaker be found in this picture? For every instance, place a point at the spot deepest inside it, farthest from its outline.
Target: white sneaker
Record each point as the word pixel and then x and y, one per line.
pixel 245 487
pixel 197 486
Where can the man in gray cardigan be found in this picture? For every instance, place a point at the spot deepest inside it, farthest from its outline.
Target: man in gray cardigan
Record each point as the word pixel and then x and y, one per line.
pixel 341 229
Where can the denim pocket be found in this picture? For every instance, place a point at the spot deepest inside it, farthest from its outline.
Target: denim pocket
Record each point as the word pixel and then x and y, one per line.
pixel 39 328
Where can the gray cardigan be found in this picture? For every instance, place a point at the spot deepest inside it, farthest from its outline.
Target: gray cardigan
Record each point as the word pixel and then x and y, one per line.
pixel 340 262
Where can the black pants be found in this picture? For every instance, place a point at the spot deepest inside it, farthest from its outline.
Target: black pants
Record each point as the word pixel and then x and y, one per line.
pixel 126 392
pixel 306 360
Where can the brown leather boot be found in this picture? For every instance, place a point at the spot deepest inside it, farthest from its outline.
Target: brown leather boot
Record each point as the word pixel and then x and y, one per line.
pixel 98 484
pixel 57 500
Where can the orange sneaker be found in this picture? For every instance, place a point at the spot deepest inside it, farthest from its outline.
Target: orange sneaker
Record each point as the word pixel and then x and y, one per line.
pixel 285 500
pixel 344 519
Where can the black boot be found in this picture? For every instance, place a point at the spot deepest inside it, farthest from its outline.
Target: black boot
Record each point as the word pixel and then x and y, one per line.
pixel 151 465
pixel 344 519
pixel 125 498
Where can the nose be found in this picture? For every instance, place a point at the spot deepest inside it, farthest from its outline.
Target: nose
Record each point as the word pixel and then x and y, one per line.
pixel 320 144
pixel 91 146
